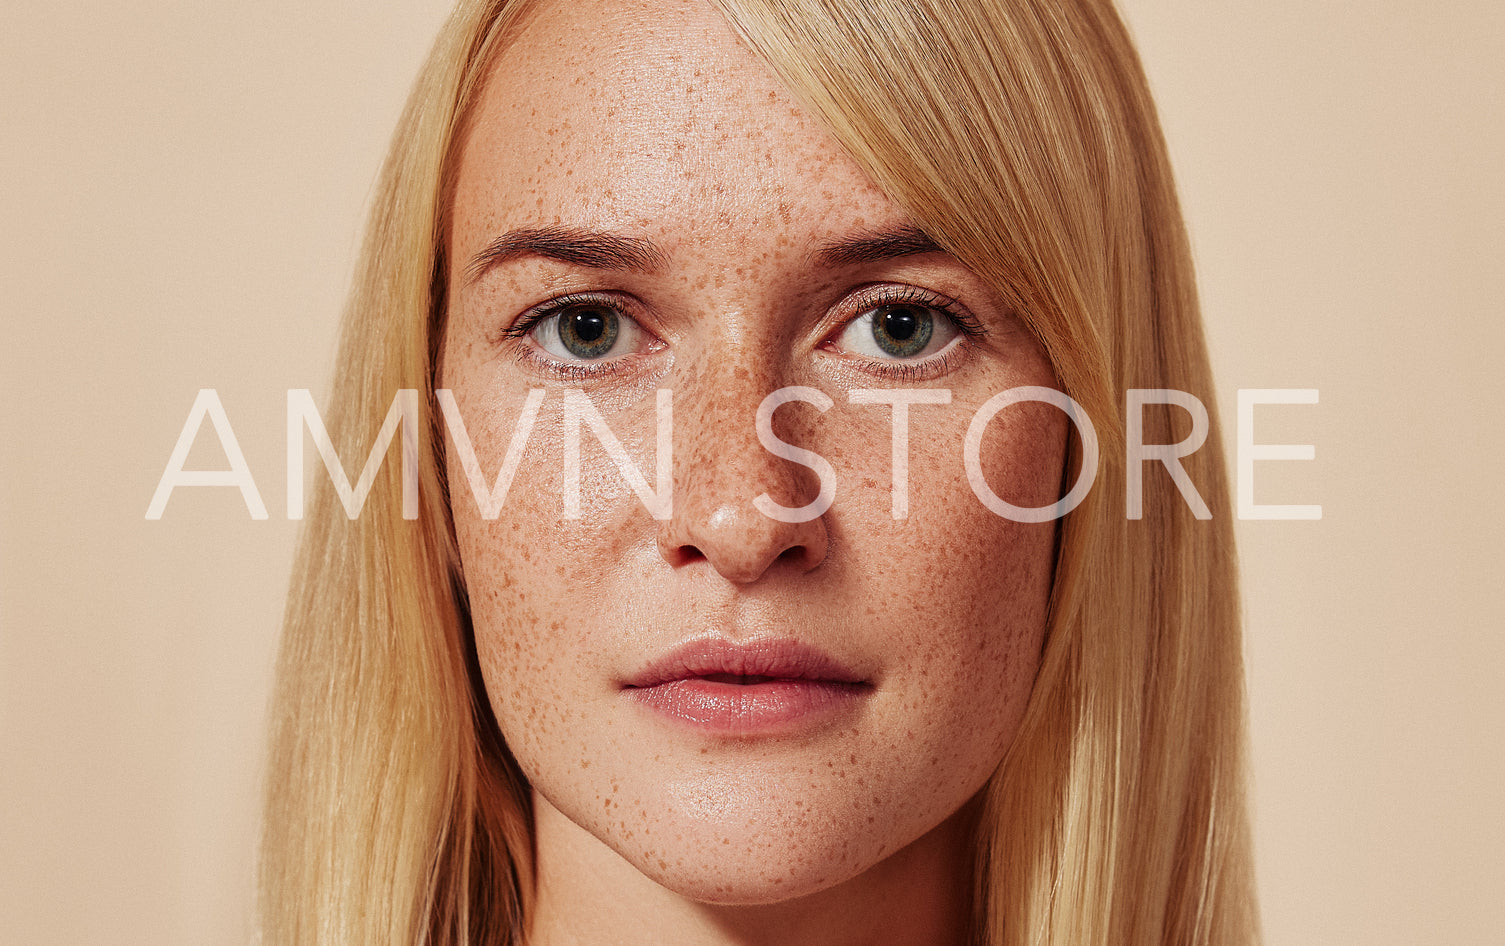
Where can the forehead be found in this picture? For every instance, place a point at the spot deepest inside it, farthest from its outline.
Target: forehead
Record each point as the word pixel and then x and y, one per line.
pixel 649 117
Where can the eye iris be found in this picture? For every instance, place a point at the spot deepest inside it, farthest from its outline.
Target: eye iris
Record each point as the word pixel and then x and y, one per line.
pixel 903 330
pixel 588 332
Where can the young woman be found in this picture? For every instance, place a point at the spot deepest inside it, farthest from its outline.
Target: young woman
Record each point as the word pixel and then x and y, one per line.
pixel 772 578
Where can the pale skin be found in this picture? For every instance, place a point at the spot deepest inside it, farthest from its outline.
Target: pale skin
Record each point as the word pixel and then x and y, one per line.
pixel 648 123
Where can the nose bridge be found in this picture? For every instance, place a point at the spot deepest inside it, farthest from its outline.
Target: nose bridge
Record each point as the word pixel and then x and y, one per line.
pixel 721 466
pixel 726 459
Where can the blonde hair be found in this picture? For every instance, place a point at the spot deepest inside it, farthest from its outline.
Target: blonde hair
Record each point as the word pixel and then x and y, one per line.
pixel 1020 136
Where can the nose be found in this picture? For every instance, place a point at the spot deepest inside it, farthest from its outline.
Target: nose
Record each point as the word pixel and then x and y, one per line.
pixel 725 467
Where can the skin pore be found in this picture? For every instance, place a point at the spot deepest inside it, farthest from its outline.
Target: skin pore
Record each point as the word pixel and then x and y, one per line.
pixel 640 205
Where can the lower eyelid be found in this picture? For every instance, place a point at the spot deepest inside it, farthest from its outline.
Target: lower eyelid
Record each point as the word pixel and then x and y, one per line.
pixel 928 368
pixel 533 357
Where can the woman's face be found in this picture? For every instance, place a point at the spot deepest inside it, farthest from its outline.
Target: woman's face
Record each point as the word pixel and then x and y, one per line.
pixel 744 708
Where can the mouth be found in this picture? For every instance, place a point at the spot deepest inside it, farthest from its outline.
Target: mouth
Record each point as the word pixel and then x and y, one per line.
pixel 744 689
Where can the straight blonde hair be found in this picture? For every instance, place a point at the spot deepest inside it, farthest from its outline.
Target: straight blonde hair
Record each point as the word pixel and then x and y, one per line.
pixel 1020 136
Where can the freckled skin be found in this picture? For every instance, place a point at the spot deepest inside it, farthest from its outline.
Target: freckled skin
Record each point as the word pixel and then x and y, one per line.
pixel 648 119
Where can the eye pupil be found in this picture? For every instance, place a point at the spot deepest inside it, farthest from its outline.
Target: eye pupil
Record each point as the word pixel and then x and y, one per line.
pixel 903 330
pixel 901 325
pixel 588 326
pixel 588 332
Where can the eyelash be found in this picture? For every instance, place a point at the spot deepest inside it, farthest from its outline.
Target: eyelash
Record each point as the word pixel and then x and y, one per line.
pixel 908 372
pixel 528 353
pixel 902 371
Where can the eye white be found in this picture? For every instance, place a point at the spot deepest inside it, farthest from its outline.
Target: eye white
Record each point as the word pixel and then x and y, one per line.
pixel 862 335
pixel 560 335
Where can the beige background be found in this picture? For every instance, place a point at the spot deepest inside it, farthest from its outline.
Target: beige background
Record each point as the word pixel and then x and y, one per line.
pixel 182 186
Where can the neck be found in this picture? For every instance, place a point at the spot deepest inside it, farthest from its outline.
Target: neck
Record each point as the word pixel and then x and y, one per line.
pixel 588 895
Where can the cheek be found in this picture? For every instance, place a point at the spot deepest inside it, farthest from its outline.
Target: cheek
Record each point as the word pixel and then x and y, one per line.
pixel 511 608
pixel 964 590
pixel 948 536
pixel 503 558
pixel 530 572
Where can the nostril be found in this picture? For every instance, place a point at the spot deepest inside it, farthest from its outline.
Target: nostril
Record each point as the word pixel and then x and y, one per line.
pixel 794 555
pixel 740 543
pixel 683 555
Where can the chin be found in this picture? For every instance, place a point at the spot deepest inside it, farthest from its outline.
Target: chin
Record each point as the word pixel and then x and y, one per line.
pixel 743 880
pixel 764 838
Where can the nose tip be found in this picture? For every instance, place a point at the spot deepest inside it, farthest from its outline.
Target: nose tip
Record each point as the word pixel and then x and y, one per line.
pixel 737 466
pixel 741 543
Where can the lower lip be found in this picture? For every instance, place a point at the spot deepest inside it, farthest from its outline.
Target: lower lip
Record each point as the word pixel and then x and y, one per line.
pixel 752 709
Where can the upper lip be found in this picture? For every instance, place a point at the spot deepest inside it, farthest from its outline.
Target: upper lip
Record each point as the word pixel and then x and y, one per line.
pixel 770 658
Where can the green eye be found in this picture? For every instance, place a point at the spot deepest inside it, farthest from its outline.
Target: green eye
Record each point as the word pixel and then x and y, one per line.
pixel 902 330
pixel 588 332
pixel 899 331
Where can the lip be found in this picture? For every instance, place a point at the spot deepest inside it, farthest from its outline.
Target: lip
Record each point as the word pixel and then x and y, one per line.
pixel 750 688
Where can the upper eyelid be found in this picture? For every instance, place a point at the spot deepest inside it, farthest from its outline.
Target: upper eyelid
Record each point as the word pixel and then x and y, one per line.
pixel 880 294
pixel 535 314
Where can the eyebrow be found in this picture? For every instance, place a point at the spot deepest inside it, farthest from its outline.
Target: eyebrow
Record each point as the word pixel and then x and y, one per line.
pixel 597 249
pixel 877 246
pixel 577 246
